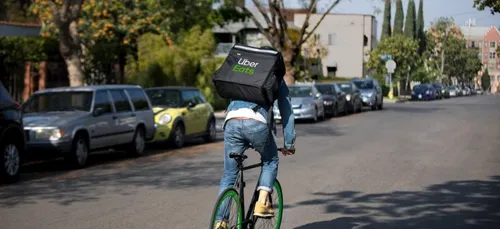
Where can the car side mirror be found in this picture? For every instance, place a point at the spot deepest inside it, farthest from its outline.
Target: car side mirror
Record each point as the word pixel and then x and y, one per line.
pixel 191 105
pixel 99 111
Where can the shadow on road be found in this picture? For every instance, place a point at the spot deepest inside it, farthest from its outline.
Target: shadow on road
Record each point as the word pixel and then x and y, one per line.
pixel 413 109
pixel 454 205
pixel 114 179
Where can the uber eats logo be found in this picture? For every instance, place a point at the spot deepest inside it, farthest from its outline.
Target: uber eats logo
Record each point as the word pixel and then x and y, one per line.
pixel 245 66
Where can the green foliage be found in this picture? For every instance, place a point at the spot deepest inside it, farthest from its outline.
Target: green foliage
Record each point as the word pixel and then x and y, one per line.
pixel 485 80
pixel 386 89
pixel 494 5
pixel 20 49
pixel 386 27
pixel 399 18
pixel 403 51
pixel 420 28
pixel 410 22
pixel 190 63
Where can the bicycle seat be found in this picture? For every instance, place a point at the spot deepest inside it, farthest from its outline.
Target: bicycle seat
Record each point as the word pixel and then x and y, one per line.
pixel 238 156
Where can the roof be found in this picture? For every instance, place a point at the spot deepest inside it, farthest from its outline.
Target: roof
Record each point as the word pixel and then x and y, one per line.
pixel 87 88
pixel 36 25
pixel 172 88
pixel 470 31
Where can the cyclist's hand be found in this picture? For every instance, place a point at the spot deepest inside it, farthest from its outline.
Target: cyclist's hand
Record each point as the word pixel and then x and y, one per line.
pixel 287 152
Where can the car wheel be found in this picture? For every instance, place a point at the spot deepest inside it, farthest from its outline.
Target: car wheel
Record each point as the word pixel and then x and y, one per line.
pixel 138 145
pixel 11 154
pixel 178 137
pixel 79 153
pixel 381 105
pixel 375 105
pixel 211 131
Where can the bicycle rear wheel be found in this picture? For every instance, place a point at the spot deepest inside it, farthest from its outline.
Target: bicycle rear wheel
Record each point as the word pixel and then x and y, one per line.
pixel 276 198
pixel 228 209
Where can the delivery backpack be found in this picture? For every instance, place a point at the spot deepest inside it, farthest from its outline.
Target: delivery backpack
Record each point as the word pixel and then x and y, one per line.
pixel 250 74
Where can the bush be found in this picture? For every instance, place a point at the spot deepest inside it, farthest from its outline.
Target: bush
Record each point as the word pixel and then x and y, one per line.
pixel 385 90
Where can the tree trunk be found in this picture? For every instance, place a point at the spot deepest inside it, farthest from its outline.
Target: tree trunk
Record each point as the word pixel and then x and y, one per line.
pixel 42 75
pixel 69 52
pixel 27 80
pixel 288 57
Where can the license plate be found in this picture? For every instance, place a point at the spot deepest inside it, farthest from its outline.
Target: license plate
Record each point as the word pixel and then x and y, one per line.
pixel 419 96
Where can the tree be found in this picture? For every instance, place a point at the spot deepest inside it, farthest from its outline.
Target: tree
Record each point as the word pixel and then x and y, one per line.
pixel 438 34
pixel 420 28
pixel 494 5
pixel 63 16
pixel 485 80
pixel 403 51
pixel 386 26
pixel 472 64
pixel 410 22
pixel 276 28
pixel 399 18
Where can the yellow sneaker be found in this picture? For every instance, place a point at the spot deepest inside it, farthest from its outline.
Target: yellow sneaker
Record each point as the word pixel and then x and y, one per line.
pixel 263 210
pixel 220 225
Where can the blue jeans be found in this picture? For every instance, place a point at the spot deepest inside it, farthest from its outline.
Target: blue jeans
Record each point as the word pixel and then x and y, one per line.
pixel 239 135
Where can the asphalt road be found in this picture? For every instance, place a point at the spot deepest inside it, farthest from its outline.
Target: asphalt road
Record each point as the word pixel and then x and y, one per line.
pixel 412 165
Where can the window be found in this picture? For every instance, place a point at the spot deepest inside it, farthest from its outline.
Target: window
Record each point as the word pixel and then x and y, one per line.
pixel 473 44
pixel 59 101
pixel 138 99
pixel 491 66
pixel 121 102
pixel 188 96
pixel 492 44
pixel 199 97
pixel 332 38
pixel 492 55
pixel 164 98
pixel 325 89
pixel 102 101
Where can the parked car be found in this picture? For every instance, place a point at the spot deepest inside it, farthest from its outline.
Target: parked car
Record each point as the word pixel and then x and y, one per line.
pixel 453 90
pixel 479 91
pixel 424 92
pixel 446 92
pixel 333 99
pixel 181 113
pixel 74 121
pixel 371 92
pixel 352 96
pixel 12 139
pixel 439 90
pixel 306 103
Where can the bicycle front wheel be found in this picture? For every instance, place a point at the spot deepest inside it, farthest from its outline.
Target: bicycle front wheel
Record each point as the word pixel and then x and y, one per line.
pixel 227 211
pixel 276 198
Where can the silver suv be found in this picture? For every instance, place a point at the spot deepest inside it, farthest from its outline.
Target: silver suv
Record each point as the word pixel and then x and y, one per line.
pixel 73 121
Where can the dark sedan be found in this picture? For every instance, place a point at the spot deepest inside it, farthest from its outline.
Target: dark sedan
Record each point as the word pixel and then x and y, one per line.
pixel 334 99
pixel 352 97
pixel 423 92
pixel 439 90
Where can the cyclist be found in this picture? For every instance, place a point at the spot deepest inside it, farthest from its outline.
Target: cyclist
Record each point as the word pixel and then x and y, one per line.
pixel 246 127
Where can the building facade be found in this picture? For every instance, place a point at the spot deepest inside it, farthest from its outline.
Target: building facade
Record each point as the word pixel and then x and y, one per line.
pixel 348 38
pixel 485 40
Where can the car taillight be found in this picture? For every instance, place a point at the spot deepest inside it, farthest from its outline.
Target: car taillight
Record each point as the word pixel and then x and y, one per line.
pixel 18 106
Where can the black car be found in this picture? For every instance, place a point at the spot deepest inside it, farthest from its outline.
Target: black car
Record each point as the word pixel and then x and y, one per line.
pixel 12 138
pixel 352 97
pixel 334 99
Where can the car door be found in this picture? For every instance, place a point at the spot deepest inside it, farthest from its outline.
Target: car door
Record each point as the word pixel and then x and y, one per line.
pixel 142 109
pixel 102 124
pixel 340 97
pixel 125 120
pixel 378 90
pixel 189 116
pixel 356 93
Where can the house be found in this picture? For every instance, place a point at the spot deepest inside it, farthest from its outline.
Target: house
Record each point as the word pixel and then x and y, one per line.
pixel 485 40
pixel 347 37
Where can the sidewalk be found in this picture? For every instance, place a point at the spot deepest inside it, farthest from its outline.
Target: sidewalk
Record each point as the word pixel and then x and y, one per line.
pixel 220 114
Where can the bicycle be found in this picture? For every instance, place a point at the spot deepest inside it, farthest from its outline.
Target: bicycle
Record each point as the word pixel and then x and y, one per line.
pixel 236 193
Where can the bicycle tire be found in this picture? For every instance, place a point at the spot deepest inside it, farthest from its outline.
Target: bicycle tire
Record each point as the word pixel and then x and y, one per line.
pixel 228 193
pixel 279 211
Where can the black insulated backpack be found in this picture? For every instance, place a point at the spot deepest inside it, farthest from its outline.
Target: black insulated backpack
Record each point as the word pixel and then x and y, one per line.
pixel 250 74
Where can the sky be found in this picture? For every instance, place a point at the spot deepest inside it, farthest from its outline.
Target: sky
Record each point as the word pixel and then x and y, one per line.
pixel 460 10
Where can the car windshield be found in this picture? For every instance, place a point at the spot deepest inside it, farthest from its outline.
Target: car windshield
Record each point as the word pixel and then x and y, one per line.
pixel 452 87
pixel 59 101
pixel 345 87
pixel 420 87
pixel 364 84
pixel 164 98
pixel 300 91
pixel 325 89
